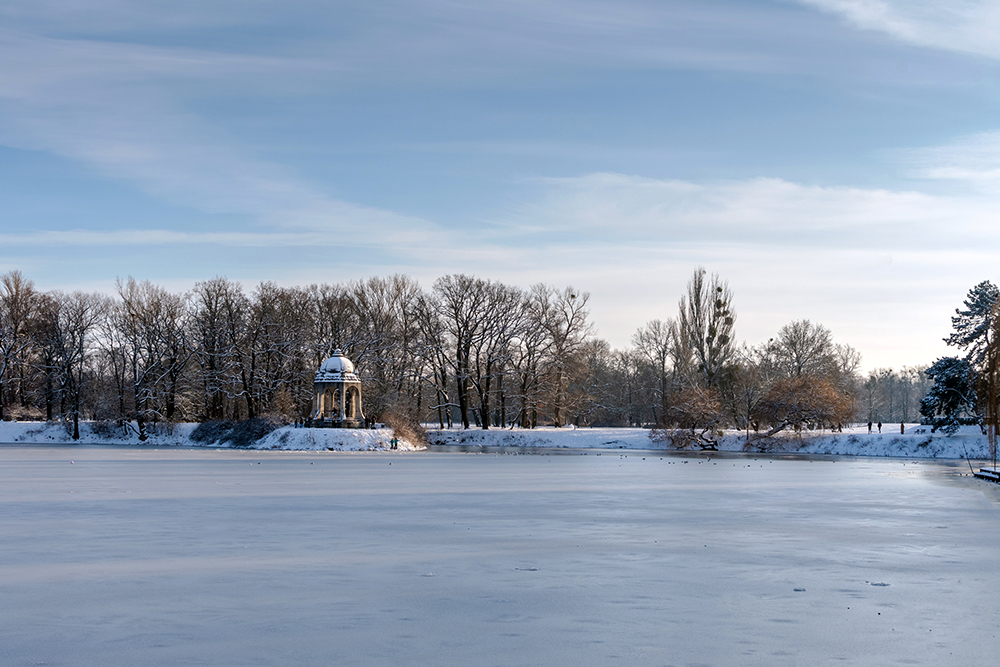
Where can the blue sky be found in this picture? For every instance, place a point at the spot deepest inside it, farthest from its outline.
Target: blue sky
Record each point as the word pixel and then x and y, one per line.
pixel 836 160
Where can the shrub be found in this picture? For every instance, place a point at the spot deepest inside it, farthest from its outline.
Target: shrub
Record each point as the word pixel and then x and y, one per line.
pixel 23 414
pixel 405 427
pixel 105 429
pixel 250 431
pixel 238 434
pixel 214 431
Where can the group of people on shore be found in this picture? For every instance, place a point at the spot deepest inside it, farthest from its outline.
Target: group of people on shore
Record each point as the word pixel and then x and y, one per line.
pixel 902 427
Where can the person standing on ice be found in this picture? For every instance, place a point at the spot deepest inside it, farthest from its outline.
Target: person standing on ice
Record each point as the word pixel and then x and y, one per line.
pixel 869 427
pixel 902 428
pixel 880 427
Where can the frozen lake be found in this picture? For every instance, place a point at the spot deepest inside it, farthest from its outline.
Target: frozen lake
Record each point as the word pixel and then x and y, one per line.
pixel 126 556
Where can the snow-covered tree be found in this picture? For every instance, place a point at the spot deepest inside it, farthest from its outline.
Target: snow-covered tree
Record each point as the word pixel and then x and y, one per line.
pixel 956 391
pixel 953 395
pixel 972 326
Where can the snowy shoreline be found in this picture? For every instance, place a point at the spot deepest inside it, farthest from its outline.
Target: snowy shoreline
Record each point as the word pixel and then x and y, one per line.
pixel 916 442
pixel 287 438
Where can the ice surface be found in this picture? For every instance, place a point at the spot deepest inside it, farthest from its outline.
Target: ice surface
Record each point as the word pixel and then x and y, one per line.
pixel 138 556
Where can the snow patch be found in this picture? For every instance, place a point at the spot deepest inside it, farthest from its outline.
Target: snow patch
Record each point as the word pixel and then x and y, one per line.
pixel 179 435
pixel 916 442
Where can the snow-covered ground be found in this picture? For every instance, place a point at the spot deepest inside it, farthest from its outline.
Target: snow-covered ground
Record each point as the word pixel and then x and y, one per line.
pixel 179 435
pixel 160 435
pixel 916 442
pixel 335 439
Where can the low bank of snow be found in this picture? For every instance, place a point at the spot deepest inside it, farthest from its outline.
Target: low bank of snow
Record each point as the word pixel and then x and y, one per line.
pixel 91 433
pixel 179 435
pixel 585 438
pixel 916 441
pixel 335 439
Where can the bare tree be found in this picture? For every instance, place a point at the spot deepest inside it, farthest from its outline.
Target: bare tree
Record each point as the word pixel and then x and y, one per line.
pixel 564 319
pixel 656 343
pixel 212 350
pixel 387 312
pixel 695 413
pixel 459 301
pixel 803 400
pixel 503 322
pixel 747 384
pixel 706 320
pixel 70 324
pixel 432 347
pixel 147 321
pixel 18 300
pixel 803 348
pixel 529 355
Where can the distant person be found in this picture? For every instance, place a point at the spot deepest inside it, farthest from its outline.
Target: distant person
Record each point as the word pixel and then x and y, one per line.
pixel 880 427
pixel 869 427
pixel 902 428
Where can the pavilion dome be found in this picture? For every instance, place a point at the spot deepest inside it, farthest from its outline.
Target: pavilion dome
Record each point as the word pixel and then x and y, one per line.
pixel 337 367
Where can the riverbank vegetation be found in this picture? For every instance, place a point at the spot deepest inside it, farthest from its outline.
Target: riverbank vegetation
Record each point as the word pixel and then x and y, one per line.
pixel 466 352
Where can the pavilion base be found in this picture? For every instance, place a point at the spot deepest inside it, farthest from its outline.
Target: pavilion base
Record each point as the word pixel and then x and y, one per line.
pixel 334 423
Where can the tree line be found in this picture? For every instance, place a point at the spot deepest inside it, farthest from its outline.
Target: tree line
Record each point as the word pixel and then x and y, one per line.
pixel 466 352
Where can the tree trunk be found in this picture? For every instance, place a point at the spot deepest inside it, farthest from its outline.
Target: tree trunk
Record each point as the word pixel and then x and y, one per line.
pixel 440 400
pixel 463 395
pixel 503 405
pixel 484 399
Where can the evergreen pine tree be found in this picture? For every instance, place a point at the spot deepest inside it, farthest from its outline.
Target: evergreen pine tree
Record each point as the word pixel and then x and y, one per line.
pixel 972 325
pixel 952 396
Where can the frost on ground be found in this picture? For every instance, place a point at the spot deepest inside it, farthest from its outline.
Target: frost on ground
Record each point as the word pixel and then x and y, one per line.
pixel 916 442
pixel 179 435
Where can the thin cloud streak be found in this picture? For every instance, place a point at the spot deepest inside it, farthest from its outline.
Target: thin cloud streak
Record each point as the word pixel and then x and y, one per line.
pixel 613 208
pixel 972 160
pixel 163 237
pixel 967 26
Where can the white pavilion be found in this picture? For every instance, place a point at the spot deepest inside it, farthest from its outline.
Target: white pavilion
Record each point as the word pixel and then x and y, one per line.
pixel 337 394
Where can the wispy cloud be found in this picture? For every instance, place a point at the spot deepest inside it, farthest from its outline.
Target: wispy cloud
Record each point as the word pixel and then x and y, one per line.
pixel 118 108
pixel 164 237
pixel 757 212
pixel 972 160
pixel 969 26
